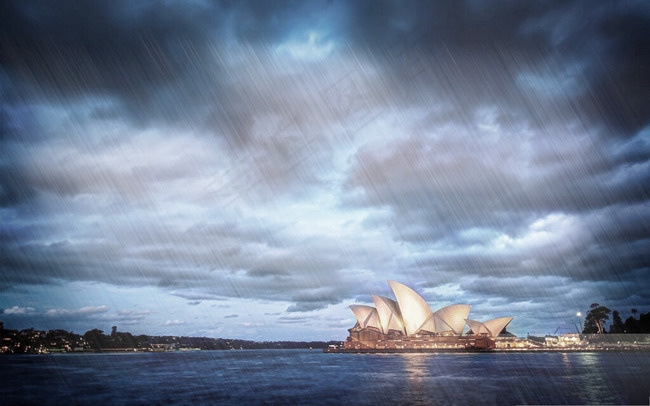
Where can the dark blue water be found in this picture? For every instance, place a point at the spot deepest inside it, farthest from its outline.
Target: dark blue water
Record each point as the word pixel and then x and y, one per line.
pixel 304 377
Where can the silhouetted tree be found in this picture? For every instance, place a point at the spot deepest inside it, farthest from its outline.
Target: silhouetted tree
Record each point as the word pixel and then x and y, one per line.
pixel 121 340
pixel 617 326
pixel 95 338
pixel 631 325
pixel 644 323
pixel 634 312
pixel 113 330
pixel 53 334
pixel 595 319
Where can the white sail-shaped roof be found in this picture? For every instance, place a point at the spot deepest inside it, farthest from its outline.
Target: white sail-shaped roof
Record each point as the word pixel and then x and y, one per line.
pixel 492 327
pixel 496 326
pixel 415 310
pixel 451 318
pixel 430 324
pixel 389 314
pixel 477 327
pixel 366 316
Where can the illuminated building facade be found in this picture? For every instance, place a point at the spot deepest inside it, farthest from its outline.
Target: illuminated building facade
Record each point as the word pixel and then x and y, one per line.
pixel 408 323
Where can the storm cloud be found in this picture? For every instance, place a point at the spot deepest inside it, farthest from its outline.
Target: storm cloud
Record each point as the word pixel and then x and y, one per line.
pixel 284 159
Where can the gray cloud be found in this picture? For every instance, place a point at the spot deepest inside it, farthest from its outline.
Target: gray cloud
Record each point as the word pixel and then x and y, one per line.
pixel 84 311
pixel 293 320
pixel 477 50
pixel 175 322
pixel 19 310
pixel 275 153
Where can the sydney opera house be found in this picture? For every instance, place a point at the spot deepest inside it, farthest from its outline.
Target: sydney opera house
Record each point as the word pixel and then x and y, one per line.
pixel 408 323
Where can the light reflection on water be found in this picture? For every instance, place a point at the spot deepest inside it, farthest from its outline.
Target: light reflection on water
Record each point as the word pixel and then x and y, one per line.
pixel 417 371
pixel 303 377
pixel 565 359
pixel 596 386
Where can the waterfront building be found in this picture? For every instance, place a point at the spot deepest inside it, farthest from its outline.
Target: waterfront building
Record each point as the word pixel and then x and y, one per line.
pixel 408 323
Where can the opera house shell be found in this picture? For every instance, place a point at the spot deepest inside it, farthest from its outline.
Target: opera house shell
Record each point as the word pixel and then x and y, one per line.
pixel 409 323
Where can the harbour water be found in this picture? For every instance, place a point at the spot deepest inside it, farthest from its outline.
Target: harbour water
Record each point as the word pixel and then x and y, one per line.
pixel 312 377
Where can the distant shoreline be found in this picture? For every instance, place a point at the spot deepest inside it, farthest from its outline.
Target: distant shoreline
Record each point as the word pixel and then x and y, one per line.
pixel 140 351
pixel 32 341
pixel 465 351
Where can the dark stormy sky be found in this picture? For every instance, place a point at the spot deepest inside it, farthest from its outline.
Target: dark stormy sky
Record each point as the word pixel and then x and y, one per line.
pixel 249 169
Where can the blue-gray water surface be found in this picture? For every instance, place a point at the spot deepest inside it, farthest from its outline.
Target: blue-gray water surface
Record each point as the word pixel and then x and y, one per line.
pixel 311 377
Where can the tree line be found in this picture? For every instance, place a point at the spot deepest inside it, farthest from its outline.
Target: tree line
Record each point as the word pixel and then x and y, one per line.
pixel 33 341
pixel 96 339
pixel 598 315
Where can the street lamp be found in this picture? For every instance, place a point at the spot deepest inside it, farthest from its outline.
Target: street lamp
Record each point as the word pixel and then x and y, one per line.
pixel 580 318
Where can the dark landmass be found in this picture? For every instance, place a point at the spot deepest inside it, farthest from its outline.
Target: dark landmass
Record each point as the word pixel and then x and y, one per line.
pixel 31 341
pixel 598 315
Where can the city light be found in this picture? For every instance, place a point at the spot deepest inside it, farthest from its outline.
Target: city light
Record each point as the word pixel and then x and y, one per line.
pixel 579 314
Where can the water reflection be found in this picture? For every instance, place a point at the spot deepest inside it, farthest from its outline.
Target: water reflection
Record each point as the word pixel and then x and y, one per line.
pixel 300 377
pixel 566 360
pixel 431 379
pixel 594 385
pixel 416 369
pixel 588 359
